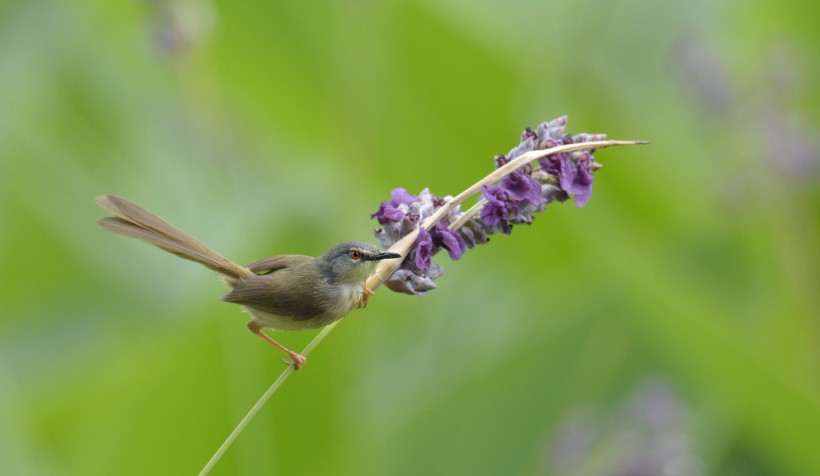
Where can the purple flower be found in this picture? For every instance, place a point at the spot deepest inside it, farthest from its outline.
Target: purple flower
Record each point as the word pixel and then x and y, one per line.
pixel 440 236
pixel 581 186
pixel 428 203
pixel 394 230
pixel 408 282
pixel 521 186
pixel 585 137
pixel 498 210
pixel 423 250
pixel 552 193
pixel 402 214
pixel 416 282
pixel 552 130
pixel 396 208
pixel 574 174
pixel 528 134
pixel 401 196
pixel 525 146
pixel 474 233
pixel 448 239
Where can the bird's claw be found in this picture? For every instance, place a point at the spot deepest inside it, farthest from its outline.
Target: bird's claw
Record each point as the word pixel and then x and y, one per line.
pixel 296 360
pixel 363 300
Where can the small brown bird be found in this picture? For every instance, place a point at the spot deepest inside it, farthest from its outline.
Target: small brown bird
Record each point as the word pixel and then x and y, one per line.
pixel 283 293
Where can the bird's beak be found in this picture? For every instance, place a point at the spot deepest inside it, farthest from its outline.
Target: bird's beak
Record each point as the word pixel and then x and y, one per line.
pixel 382 256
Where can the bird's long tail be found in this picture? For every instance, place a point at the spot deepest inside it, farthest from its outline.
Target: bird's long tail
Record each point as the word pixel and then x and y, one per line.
pixel 135 222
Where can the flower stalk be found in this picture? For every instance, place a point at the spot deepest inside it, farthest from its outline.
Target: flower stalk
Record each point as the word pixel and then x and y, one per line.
pixel 403 246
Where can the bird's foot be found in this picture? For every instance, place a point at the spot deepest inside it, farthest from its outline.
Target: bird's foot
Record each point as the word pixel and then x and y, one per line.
pixel 296 360
pixel 361 303
pixel 363 300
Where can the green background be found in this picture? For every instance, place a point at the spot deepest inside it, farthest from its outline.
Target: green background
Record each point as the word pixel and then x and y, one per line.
pixel 278 127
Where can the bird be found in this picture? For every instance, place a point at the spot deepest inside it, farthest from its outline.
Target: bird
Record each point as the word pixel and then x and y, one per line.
pixel 286 292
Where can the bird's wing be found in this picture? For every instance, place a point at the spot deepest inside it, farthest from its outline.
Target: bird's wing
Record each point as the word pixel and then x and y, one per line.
pixel 287 290
pixel 275 263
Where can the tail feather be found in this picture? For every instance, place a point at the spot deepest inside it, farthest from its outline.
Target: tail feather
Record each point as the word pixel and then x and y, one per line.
pixel 135 214
pixel 135 222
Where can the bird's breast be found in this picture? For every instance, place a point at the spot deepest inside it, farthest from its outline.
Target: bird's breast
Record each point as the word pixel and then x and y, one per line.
pixel 349 295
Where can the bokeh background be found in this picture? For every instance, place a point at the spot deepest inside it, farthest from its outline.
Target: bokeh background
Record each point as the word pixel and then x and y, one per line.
pixel 669 327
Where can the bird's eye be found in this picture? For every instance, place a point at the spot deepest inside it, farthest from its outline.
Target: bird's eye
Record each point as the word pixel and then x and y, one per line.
pixel 355 255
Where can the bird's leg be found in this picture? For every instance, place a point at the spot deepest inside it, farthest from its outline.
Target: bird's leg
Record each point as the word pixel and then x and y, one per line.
pixel 363 300
pixel 298 360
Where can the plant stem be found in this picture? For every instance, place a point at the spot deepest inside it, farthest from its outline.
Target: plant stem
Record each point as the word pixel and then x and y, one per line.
pixel 465 217
pixel 262 401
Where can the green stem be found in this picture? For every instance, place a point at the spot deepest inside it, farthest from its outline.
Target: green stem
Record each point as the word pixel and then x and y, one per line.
pixel 262 401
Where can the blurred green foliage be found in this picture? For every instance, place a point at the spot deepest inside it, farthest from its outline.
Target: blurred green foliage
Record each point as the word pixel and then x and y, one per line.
pixel 265 128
